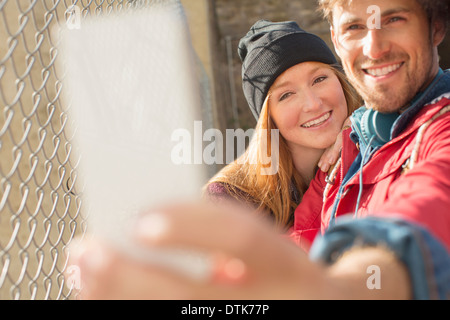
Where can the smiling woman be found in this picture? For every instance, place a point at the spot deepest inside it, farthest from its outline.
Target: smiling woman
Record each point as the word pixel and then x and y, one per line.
pixel 308 106
pixel 293 84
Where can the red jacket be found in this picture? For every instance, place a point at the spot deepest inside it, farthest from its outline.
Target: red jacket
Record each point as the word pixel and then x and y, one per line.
pixel 420 195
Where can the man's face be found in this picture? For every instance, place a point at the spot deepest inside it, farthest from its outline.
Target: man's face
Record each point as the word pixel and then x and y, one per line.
pixel 389 57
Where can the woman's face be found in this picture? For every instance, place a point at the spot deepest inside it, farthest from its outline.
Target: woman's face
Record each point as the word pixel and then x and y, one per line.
pixel 308 105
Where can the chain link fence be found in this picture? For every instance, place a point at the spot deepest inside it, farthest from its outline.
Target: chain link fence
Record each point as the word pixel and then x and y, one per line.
pixel 39 204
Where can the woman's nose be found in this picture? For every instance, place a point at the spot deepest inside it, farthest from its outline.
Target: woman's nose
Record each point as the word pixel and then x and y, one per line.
pixel 311 101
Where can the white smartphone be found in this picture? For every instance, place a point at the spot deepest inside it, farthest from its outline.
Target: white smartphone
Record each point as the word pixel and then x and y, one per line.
pixel 132 85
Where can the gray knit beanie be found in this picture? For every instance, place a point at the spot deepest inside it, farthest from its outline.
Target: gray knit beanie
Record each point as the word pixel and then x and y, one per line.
pixel 269 49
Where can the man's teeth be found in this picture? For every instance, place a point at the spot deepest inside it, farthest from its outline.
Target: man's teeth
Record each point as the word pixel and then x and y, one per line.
pixel 317 122
pixel 383 71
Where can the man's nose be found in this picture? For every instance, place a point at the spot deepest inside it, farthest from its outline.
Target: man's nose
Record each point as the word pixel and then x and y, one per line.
pixel 376 45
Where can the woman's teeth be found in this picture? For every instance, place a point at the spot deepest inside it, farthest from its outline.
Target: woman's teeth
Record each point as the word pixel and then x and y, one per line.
pixel 317 122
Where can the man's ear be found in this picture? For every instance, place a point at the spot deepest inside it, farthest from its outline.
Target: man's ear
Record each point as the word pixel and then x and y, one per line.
pixel 335 42
pixel 438 32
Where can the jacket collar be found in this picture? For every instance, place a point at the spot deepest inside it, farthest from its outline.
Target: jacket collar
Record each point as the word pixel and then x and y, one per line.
pixel 383 161
pixel 439 86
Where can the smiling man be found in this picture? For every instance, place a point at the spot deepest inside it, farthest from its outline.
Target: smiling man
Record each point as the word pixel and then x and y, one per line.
pixel 394 174
pixel 388 65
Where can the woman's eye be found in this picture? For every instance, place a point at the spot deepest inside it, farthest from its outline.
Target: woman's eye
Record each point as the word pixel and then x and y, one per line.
pixel 284 96
pixel 319 79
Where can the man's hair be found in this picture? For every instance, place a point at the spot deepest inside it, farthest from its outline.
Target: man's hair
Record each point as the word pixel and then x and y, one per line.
pixel 437 10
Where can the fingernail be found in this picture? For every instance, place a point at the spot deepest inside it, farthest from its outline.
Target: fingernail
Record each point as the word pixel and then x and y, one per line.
pixel 235 269
pixel 229 270
pixel 151 226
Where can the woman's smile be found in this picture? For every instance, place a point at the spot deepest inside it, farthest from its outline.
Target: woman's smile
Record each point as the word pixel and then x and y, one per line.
pixel 317 122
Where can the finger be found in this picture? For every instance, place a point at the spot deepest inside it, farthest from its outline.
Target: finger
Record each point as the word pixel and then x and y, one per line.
pixel 331 155
pixel 335 150
pixel 90 262
pixel 337 147
pixel 234 234
pixel 324 164
pixel 201 226
pixel 109 275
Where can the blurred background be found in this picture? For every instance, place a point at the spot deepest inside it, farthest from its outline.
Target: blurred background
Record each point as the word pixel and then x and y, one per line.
pixel 39 201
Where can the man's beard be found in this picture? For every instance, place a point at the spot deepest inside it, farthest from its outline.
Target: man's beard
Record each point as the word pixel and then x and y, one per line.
pixel 388 98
